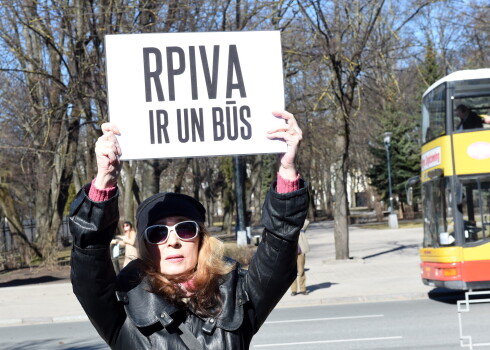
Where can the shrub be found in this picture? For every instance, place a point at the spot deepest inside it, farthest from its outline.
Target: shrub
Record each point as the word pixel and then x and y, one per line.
pixel 243 254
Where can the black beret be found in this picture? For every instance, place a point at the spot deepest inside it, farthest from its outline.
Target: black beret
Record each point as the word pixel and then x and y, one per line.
pixel 165 204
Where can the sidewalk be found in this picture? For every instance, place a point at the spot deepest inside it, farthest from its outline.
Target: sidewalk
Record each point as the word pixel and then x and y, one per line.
pixel 384 266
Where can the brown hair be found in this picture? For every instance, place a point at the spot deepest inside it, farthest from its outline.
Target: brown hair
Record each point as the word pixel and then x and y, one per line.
pixel 205 299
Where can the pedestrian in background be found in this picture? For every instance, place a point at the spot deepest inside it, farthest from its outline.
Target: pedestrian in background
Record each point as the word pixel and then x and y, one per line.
pixel 129 242
pixel 303 248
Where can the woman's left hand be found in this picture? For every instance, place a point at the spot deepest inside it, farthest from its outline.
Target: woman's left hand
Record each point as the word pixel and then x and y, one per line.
pixel 292 135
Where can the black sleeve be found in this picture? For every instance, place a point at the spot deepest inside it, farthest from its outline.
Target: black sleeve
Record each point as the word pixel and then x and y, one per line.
pixel 92 225
pixel 273 267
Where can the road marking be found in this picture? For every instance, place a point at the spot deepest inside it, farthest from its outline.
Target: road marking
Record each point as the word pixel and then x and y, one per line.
pixel 328 341
pixel 324 319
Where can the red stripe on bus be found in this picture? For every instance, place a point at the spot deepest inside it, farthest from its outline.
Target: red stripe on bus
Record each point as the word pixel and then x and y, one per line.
pixel 468 271
pixel 476 270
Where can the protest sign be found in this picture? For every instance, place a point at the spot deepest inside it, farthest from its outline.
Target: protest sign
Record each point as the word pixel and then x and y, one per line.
pixel 195 94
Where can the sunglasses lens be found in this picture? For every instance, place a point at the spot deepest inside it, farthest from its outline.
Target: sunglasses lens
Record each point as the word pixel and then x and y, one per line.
pixel 186 230
pixel 156 234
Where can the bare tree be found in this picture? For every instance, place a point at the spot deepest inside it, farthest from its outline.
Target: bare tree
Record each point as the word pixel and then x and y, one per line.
pixel 55 53
pixel 347 41
pixel 337 55
pixel 343 31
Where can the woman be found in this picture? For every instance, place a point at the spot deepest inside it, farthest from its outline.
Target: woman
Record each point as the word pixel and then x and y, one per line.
pixel 182 293
pixel 129 241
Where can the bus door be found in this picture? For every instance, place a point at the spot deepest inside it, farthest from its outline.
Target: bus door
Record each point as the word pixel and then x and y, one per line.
pixel 475 209
pixel 475 212
pixel 438 214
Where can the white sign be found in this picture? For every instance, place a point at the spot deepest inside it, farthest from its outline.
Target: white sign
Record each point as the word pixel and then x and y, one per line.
pixel 431 158
pixel 195 94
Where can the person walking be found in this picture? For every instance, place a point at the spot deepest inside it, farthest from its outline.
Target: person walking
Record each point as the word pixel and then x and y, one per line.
pixel 303 248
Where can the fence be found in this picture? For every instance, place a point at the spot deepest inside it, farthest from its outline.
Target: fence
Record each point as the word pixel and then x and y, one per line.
pixel 7 243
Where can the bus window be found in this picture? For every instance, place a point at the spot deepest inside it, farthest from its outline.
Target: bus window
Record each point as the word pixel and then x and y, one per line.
pixel 471 113
pixel 475 208
pixel 466 118
pixel 438 220
pixel 434 114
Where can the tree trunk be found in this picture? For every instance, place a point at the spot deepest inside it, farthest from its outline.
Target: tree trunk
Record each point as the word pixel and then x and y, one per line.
pixel 152 171
pixel 328 189
pixel 341 228
pixel 47 219
pixel 197 178
pixel 128 202
pixel 180 172
pixel 228 208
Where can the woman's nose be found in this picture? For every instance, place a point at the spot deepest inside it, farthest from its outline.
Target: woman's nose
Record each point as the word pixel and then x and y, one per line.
pixel 173 239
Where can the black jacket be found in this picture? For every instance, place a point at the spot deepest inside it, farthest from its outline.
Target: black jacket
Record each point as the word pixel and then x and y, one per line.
pixel 128 317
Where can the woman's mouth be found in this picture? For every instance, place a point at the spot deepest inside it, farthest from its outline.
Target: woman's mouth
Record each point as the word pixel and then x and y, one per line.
pixel 174 258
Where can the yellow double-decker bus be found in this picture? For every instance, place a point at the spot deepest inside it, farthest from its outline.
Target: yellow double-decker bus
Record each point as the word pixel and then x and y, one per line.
pixel 455 181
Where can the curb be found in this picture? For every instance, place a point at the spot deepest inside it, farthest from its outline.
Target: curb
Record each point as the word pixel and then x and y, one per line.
pixel 352 300
pixel 41 320
pixel 52 285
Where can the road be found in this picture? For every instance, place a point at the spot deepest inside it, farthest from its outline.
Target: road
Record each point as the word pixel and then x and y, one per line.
pixel 68 335
pixel 418 324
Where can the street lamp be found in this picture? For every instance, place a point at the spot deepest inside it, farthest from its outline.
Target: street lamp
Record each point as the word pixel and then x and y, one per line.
pixel 392 219
pixel 241 231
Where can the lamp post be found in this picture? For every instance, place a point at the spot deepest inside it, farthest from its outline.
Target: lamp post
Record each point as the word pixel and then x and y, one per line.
pixel 392 219
pixel 241 232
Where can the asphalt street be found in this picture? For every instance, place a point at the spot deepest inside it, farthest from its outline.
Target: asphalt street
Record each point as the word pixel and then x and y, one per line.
pixel 407 324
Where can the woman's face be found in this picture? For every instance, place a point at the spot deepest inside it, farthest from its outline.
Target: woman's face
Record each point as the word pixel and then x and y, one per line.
pixel 176 257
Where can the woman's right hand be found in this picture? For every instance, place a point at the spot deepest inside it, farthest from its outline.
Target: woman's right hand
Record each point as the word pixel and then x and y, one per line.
pixel 108 151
